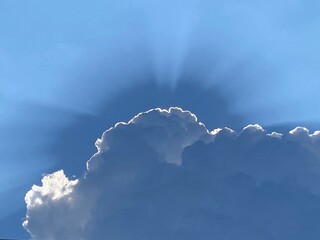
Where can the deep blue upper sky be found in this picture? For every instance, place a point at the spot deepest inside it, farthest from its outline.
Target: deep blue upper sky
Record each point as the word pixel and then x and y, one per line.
pixel 66 66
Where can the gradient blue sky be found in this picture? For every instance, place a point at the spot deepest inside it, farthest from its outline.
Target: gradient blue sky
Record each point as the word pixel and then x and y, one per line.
pixel 66 66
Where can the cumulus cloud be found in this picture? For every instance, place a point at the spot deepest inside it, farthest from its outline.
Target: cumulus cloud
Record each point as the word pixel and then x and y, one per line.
pixel 164 175
pixel 53 208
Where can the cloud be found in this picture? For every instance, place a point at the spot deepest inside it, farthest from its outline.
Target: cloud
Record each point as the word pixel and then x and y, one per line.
pixel 163 175
pixel 53 208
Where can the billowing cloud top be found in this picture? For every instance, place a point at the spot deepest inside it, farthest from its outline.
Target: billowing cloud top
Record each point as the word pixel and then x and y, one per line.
pixel 163 175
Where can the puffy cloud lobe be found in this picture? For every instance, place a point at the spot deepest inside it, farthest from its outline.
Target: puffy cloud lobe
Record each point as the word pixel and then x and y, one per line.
pixel 53 209
pixel 167 132
pixel 163 175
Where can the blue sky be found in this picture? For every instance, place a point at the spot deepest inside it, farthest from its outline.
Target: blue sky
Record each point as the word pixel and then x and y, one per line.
pixel 70 71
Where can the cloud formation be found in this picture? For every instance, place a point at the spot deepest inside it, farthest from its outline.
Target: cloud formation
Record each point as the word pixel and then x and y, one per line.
pixel 164 175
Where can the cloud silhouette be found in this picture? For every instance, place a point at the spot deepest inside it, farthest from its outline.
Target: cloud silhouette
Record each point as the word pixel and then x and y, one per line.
pixel 164 175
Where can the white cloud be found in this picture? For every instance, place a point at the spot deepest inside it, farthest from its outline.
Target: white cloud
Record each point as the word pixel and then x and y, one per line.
pixel 276 135
pixel 55 210
pixel 55 186
pixel 163 175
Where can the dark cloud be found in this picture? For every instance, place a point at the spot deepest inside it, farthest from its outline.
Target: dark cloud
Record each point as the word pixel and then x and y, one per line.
pixel 163 175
